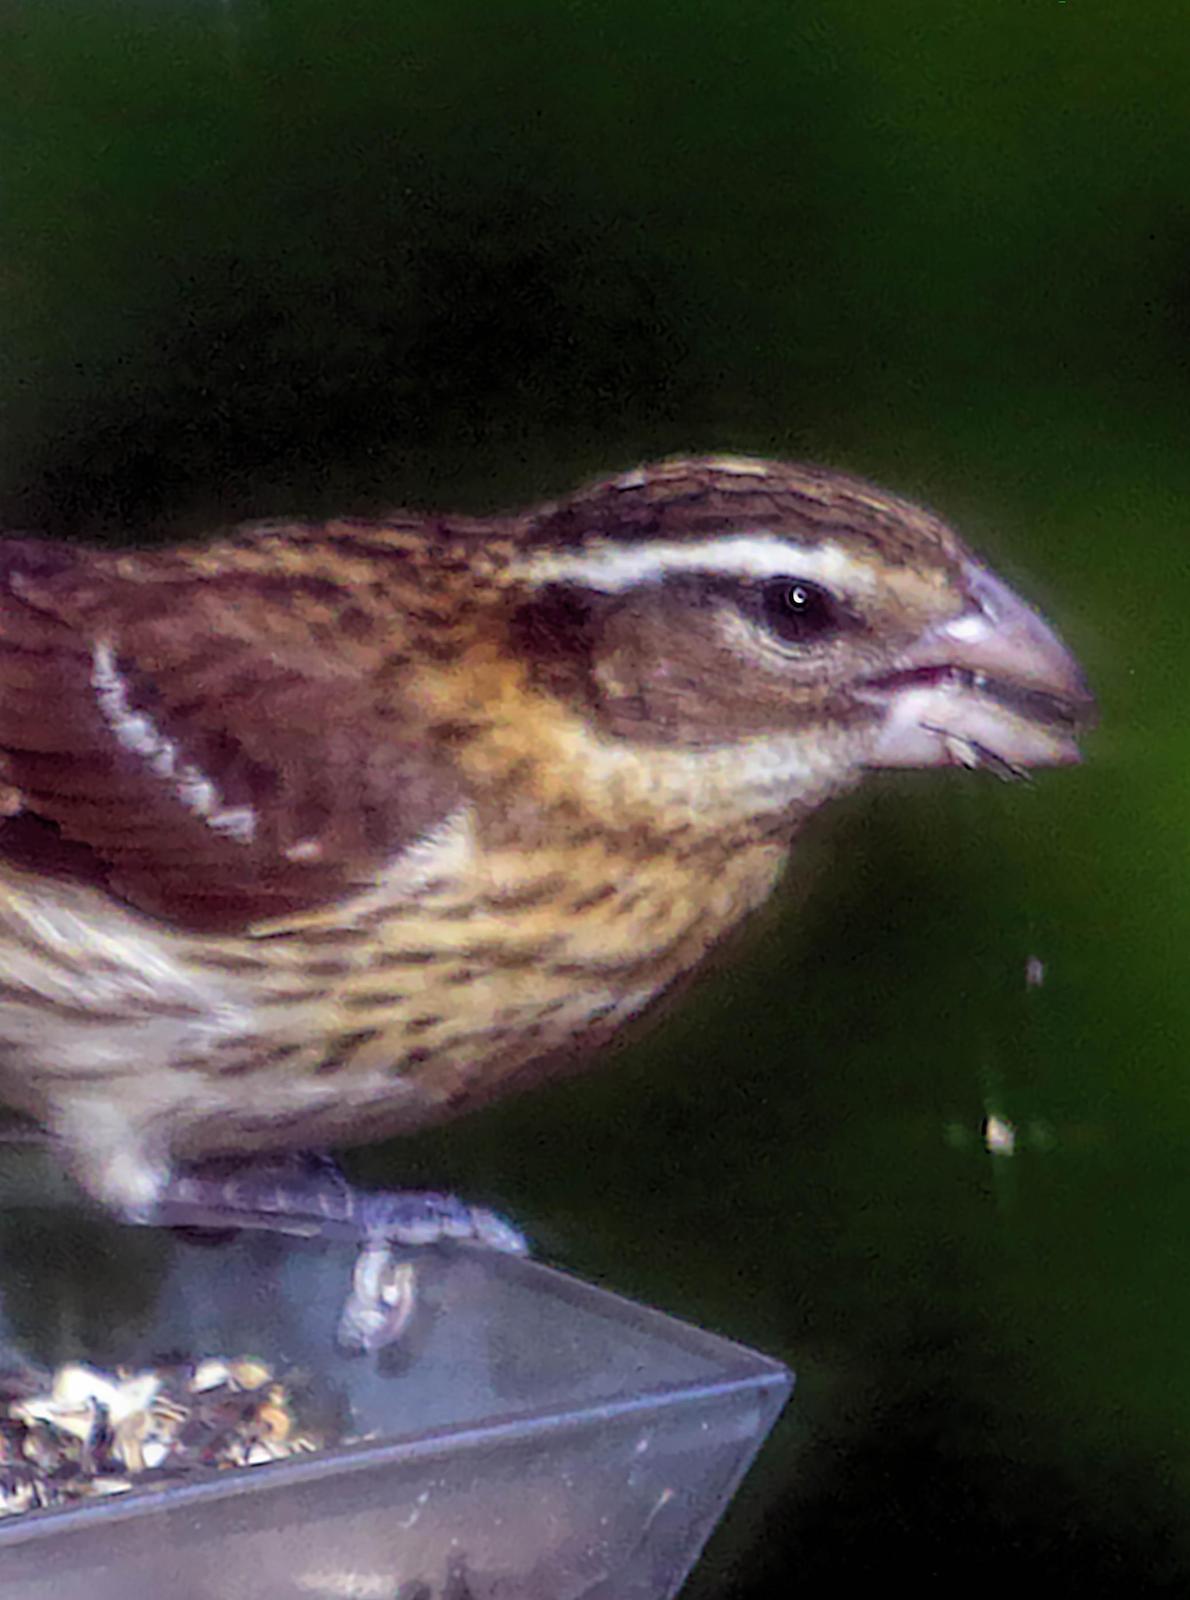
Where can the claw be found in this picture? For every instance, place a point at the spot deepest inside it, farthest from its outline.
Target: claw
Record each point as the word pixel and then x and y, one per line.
pixel 381 1302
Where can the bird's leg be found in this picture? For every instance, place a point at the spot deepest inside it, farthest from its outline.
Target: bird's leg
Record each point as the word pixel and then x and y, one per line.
pixel 130 1172
pixel 308 1195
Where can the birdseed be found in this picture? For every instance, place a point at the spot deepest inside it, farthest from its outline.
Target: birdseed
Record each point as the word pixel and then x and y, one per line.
pixel 80 1432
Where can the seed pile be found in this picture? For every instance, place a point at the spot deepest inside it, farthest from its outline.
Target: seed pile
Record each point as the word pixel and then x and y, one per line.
pixel 83 1432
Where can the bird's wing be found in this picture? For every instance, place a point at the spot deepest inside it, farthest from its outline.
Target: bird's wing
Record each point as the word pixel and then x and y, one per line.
pixel 203 750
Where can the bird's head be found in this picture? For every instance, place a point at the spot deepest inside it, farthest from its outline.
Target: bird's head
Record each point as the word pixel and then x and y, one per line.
pixel 788 627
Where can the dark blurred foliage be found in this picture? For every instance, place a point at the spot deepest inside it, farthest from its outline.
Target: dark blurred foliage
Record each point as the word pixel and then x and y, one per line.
pixel 262 256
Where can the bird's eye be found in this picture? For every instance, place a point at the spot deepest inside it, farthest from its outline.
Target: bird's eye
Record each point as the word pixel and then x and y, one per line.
pixel 798 612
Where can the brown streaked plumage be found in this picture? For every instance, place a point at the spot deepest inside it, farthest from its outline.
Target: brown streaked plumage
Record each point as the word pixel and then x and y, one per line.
pixel 315 834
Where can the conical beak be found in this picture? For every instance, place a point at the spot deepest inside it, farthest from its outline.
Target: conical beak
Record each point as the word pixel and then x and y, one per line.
pixel 994 686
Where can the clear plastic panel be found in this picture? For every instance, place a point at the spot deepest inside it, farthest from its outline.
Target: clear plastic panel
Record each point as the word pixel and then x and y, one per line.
pixel 528 1436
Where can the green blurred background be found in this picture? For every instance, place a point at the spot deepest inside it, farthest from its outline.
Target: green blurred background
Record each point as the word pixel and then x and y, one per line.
pixel 263 256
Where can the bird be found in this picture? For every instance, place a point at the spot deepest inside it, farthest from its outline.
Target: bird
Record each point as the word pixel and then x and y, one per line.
pixel 317 833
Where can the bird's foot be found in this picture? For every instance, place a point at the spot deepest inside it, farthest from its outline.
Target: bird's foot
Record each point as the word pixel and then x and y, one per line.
pixel 309 1196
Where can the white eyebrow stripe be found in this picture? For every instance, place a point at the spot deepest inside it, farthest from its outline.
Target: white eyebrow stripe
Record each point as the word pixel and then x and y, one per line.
pixel 612 567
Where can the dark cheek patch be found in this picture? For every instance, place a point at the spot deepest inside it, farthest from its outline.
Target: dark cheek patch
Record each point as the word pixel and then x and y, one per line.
pixel 556 635
pixel 654 668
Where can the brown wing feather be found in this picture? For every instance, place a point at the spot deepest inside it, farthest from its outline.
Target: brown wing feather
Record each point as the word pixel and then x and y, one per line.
pixel 198 749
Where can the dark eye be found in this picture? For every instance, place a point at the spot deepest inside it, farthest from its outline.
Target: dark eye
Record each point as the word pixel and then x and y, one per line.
pixel 797 612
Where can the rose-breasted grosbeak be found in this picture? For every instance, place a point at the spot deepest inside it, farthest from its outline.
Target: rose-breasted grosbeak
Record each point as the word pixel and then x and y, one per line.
pixel 318 833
